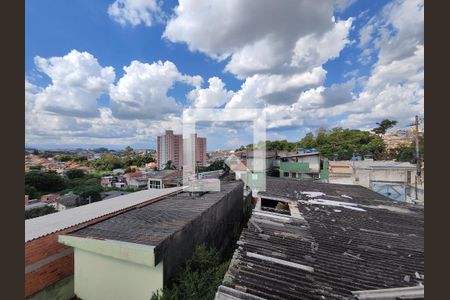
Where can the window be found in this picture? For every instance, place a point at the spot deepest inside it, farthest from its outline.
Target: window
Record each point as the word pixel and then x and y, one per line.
pixel 285 174
pixel 294 175
pixel 155 184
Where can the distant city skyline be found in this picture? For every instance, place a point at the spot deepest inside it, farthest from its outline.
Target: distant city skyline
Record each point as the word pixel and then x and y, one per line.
pixel 113 73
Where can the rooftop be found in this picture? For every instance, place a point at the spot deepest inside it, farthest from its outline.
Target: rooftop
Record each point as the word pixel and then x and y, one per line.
pixel 163 173
pixel 69 200
pixel 339 241
pixel 154 224
pixel 381 164
pixel 44 225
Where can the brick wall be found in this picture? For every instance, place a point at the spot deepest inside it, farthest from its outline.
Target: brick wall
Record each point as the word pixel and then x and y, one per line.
pixel 47 261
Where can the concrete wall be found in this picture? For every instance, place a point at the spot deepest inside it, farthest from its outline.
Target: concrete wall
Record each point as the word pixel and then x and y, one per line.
pixel 341 179
pixel 313 161
pixel 97 274
pixel 214 228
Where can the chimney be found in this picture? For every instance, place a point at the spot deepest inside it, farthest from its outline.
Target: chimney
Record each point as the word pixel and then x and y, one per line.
pixel 26 199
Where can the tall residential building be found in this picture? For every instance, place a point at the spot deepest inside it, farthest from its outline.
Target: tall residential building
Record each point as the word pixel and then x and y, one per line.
pixel 200 149
pixel 170 147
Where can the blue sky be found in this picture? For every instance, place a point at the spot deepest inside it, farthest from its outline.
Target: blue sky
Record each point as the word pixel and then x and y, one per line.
pixel 307 64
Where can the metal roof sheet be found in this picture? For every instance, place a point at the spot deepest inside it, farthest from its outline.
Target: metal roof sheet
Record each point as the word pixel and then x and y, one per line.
pixel 44 225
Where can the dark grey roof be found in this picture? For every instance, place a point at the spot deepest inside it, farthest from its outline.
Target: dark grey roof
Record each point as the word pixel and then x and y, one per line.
pixel 69 200
pixel 357 240
pixel 161 174
pixel 156 222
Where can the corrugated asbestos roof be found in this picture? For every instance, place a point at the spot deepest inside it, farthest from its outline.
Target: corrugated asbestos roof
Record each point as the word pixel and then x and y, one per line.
pixel 44 225
pixel 345 240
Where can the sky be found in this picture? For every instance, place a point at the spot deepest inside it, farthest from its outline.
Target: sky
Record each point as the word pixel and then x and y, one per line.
pixel 118 73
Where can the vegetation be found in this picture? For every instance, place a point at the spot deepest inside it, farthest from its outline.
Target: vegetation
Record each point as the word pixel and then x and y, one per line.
pixel 32 192
pixel 337 143
pixel 342 144
pixel 383 126
pixel 407 153
pixel 169 165
pixel 75 158
pixel 199 279
pixel 45 182
pixel 109 162
pixel 37 212
pixel 75 173
pixel 215 165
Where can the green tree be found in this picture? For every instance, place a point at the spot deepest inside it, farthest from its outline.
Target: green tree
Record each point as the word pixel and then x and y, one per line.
pixel 41 211
pixel 199 279
pixel 32 192
pixel 128 150
pixel 383 126
pixel 88 193
pixel 168 165
pixel 45 181
pixel 75 173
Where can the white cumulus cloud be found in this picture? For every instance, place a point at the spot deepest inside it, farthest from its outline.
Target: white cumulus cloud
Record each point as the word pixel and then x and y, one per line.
pixel 77 81
pixel 134 12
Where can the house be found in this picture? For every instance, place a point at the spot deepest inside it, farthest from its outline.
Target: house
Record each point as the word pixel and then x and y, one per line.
pixel 49 197
pixel 393 179
pixel 136 179
pixel 250 155
pixel 107 181
pixel 314 240
pixel 119 184
pixel 66 202
pixel 136 253
pixel 304 166
pixel 164 179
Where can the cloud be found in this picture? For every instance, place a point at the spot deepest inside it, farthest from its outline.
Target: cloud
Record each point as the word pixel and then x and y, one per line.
pixel 275 89
pixel 66 111
pixel 214 95
pixel 141 93
pixel 135 12
pixel 403 30
pixel 77 81
pixel 395 87
pixel 258 37
pixel 365 35
pixel 342 5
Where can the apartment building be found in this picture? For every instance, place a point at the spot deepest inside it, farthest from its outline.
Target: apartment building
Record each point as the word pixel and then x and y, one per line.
pixel 170 147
